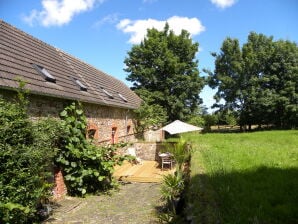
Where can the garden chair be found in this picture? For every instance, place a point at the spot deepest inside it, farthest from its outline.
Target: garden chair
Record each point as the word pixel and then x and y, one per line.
pixel 132 152
pixel 166 160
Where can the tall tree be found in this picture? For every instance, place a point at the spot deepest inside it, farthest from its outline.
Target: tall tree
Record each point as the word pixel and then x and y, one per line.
pixel 283 81
pixel 228 75
pixel 259 100
pixel 163 69
pixel 259 80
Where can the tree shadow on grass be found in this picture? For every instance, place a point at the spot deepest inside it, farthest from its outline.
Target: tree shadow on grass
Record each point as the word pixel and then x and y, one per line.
pixel 263 195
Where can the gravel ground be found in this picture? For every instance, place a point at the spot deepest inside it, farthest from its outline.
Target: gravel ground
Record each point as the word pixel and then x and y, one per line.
pixel 134 203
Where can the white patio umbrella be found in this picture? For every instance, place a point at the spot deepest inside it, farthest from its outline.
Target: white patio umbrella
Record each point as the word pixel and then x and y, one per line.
pixel 180 127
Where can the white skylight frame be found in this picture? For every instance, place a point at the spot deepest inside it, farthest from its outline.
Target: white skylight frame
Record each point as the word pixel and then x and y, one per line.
pixel 107 93
pixel 81 85
pixel 47 76
pixel 122 97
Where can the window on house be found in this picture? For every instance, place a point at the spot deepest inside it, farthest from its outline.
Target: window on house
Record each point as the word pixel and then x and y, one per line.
pixel 47 76
pixel 107 93
pixel 113 140
pixel 122 97
pixel 80 84
pixel 127 129
pixel 91 133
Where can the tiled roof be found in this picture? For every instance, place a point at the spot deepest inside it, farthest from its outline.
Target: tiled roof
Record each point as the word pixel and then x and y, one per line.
pixel 21 55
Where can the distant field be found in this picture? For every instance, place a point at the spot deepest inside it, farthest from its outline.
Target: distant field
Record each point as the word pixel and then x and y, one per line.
pixel 245 177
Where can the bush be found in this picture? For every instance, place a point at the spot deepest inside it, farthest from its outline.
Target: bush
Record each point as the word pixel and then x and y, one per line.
pixel 24 168
pixel 173 185
pixel 197 121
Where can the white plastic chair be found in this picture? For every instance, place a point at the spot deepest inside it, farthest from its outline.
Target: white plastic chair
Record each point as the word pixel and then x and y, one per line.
pixel 132 152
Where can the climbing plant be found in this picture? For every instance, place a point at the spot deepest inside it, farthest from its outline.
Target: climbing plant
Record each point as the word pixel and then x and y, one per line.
pixel 87 168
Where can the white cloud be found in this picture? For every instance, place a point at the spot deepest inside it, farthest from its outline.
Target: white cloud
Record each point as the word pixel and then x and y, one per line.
pixel 112 18
pixel 223 3
pixel 59 12
pixel 138 28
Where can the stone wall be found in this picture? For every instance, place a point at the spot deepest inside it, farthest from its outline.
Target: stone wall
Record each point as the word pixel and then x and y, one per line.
pixel 148 150
pixel 110 124
pixel 113 124
pixel 154 135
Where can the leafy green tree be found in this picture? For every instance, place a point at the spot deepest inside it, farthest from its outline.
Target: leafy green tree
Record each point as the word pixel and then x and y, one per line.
pixel 148 116
pixel 258 81
pixel 228 75
pixel 283 70
pixel 197 117
pixel 210 120
pixel 163 68
pixel 256 54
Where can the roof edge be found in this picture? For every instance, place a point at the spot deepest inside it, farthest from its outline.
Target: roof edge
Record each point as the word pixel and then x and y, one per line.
pixel 36 93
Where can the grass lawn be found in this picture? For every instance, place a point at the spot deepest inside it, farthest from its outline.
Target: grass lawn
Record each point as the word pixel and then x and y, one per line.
pixel 244 177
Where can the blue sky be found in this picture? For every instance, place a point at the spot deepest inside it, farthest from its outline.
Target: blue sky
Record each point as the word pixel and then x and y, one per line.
pixel 101 32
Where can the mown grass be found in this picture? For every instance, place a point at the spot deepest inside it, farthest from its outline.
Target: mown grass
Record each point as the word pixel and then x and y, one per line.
pixel 244 177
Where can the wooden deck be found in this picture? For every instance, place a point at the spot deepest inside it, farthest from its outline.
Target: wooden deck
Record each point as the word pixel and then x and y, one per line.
pixel 147 172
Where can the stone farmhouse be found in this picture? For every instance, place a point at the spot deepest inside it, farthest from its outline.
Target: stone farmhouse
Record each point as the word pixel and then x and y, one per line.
pixel 56 78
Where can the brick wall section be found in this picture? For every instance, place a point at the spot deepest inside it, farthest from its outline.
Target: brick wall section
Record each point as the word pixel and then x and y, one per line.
pixel 59 190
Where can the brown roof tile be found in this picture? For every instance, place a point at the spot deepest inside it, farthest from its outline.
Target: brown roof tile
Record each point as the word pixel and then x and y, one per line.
pixel 18 51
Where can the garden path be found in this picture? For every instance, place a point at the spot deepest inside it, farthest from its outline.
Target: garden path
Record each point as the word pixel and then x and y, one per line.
pixel 134 203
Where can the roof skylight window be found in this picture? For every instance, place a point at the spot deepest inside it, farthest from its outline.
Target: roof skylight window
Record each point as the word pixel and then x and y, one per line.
pixel 44 73
pixel 107 93
pixel 80 84
pixel 122 97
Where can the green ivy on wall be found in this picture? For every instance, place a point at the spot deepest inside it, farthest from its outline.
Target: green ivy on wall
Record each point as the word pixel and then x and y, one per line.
pixel 87 168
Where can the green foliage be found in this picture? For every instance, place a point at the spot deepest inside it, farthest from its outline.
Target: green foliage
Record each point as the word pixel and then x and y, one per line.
pixel 148 116
pixel 180 150
pixel 210 120
pixel 197 121
pixel 24 167
pixel 226 117
pixel 258 80
pixel 164 72
pixel 173 185
pixel 253 175
pixel 171 189
pixel 230 119
pixel 87 168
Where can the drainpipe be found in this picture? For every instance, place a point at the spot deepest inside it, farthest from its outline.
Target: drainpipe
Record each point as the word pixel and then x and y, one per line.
pixel 126 125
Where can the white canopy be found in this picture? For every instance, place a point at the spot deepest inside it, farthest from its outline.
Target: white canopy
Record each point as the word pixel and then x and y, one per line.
pixel 180 127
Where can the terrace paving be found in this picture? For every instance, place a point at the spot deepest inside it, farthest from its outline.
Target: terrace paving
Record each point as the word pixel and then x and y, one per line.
pixel 134 203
